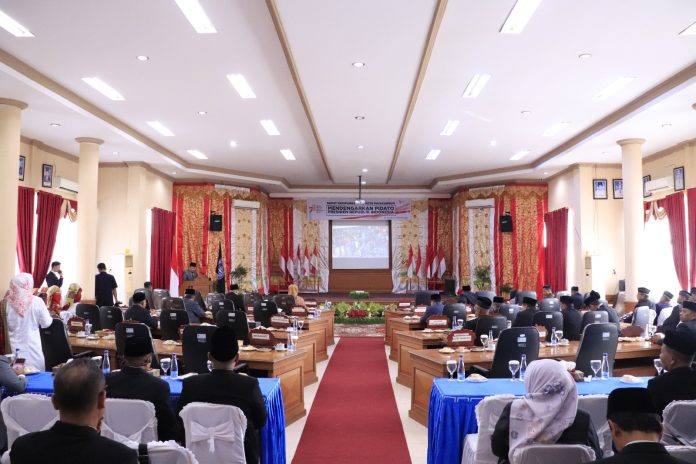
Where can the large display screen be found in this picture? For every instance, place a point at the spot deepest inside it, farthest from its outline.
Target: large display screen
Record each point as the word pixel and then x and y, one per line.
pixel 360 244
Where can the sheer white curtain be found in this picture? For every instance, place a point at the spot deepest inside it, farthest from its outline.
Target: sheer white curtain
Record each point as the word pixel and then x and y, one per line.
pixel 658 264
pixel 66 251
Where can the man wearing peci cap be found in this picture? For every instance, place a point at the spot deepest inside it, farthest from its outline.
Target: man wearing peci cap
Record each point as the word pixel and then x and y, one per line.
pixel 643 297
pixel 497 303
pixel 224 386
pixel 481 309
pixel 134 382
pixel 193 309
pixel 467 297
pixel 525 318
pixel 679 382
pixel 670 323
pixel 593 303
pixel 578 300
pixel 636 429
pixel 236 298
pixel 138 311
pixel 572 318
pixel 191 273
pixel 687 319
pixel 435 309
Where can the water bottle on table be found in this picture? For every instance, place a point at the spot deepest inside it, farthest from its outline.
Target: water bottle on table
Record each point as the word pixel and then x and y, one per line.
pixel 605 366
pixel 175 367
pixel 88 328
pixel 461 370
pixel 523 367
pixel 106 364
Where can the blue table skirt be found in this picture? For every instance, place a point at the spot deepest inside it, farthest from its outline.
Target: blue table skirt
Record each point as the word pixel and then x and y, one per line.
pixel 452 411
pixel 272 434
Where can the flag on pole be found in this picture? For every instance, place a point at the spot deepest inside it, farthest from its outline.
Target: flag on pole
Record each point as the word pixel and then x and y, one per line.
pixel 428 253
pixel 305 262
pixel 418 262
pixel 434 264
pixel 443 265
pixel 282 259
pixel 410 262
pixel 290 266
pixel 315 261
pixel 220 271
pixel 298 263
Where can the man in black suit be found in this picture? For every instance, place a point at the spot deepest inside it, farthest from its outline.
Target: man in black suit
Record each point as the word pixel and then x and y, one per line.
pixel 679 382
pixel 80 398
pixel 671 322
pixel 636 429
pixel 224 386
pixel 525 318
pixel 194 310
pixel 105 287
pixel 467 297
pixel 135 383
pixel 138 311
pixel 497 303
pixel 592 301
pixel 236 298
pixel 578 301
pixel 572 318
pixel 643 297
pixel 687 319
pixel 54 276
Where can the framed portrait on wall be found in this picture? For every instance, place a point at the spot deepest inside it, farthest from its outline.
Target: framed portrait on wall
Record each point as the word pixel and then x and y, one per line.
pixel 618 188
pixel 678 178
pixel 646 179
pixel 22 163
pixel 599 189
pixel 47 175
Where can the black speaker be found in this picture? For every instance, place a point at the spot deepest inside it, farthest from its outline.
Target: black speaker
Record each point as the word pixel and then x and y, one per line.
pixel 506 223
pixel 216 222
pixel 449 287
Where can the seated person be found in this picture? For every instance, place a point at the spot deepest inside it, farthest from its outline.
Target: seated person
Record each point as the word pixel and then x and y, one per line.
pixel 194 310
pixel 572 318
pixel 665 302
pixel 636 429
pixel 134 382
pixel 592 302
pixel 79 395
pixel 578 300
pixel 236 297
pixel 679 380
pixel 687 321
pixel 53 297
pixel 481 309
pixel 643 297
pixel 497 303
pixel 148 295
pixel 435 308
pixel 137 311
pixel 294 292
pixel 670 322
pixel 548 413
pixel 12 383
pixel 547 292
pixel 525 318
pixel 224 386
pixel 191 273
pixel 467 297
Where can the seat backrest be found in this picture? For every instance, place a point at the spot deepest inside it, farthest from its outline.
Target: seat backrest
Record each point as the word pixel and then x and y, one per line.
pixel 214 432
pixel 167 452
pixel 195 344
pixel 263 311
pixel 562 293
pixel 596 407
pixel 510 311
pixel 172 303
pixel 487 414
pixel 54 344
pixel 521 295
pixel 89 312
pixel 486 294
pixel 170 320
pixel 550 304
pixel 27 413
pixel 285 302
pixel 125 330
pixel 212 298
pixel 158 295
pixel 550 320
pixel 593 317
pixel 423 298
pixel 596 340
pixel 110 316
pixel 641 316
pixel 251 298
pixel 685 453
pixel 237 320
pixel 129 421
pixel 495 323
pixel 544 454
pixel 512 344
pixel 455 310
pixel 678 423
pixel 222 305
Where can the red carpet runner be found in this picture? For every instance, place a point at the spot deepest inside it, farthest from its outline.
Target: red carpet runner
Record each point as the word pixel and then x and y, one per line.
pixel 354 418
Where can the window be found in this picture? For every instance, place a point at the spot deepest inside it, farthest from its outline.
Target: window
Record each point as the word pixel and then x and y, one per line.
pixel 658 264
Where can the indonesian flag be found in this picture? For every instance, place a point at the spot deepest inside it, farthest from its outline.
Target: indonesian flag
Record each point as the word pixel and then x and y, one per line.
pixel 443 265
pixel 410 262
pixel 315 261
pixel 418 263
pixel 282 259
pixel 428 267
pixel 305 262
pixel 298 262
pixel 434 264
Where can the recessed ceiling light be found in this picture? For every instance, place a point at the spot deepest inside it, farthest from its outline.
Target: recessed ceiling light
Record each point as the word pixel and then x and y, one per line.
pixel 358 64
pixel 364 170
pixel 493 143
pixel 241 85
pixel 432 154
pixel 666 125
pixel 555 129
pixel 450 127
pixel 103 88
pixel 196 16
pixel 54 124
pixel 546 173
pixel 519 155
pixel 287 154
pixel 13 27
pixel 142 58
pixel 525 112
pixel 691 30
pixel 363 182
pixel 614 87
pixel 519 16
pixel 233 143
pixel 475 85
pixel 359 118
pixel 269 127
pixel 174 172
pixel 197 154
pixel 202 113
pixel 360 147
pixel 161 128
pixel 585 56
pixel 115 153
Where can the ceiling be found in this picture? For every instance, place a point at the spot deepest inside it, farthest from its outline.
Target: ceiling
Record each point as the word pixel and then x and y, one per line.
pixel 297 56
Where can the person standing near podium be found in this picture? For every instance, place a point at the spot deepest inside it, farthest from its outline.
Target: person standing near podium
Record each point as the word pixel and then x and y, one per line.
pixel 191 273
pixel 54 276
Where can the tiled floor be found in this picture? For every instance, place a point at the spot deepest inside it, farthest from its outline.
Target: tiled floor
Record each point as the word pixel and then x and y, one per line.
pixel 416 434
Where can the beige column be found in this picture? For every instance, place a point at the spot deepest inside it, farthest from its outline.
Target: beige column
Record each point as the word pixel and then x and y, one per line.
pixel 87 214
pixel 10 133
pixel 632 172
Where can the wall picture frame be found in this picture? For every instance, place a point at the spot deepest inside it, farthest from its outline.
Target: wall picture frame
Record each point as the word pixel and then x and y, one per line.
pixel 617 189
pixel 22 164
pixel 646 179
pixel 678 174
pixel 47 175
pixel 599 189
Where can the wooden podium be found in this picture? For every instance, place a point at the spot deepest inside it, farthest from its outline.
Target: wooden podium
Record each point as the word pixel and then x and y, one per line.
pixel 201 283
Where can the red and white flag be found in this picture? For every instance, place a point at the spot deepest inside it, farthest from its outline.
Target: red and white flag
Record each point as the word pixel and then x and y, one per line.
pixel 410 262
pixel 298 263
pixel 418 263
pixel 282 259
pixel 443 266
pixel 305 262
pixel 315 261
pixel 428 255
pixel 435 262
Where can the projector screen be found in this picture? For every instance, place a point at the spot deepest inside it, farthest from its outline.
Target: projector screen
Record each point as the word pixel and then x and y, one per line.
pixel 360 244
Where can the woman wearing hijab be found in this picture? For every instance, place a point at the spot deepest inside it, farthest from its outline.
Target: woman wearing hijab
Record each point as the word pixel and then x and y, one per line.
pixel 548 414
pixel 294 292
pixel 53 297
pixel 26 313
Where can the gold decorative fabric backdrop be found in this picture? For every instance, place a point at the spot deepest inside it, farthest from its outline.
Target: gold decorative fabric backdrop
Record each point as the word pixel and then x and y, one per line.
pixel 442 235
pixel 482 237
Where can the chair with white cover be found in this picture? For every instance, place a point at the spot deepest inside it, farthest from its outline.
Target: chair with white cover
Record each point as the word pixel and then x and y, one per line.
pixel 167 452
pixel 544 454
pixel 678 423
pixel 215 433
pixel 664 314
pixel 477 446
pixel 27 413
pixel 596 407
pixel 128 421
pixel 685 453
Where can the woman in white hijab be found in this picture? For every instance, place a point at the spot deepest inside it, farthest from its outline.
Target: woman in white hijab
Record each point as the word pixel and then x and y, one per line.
pixel 547 414
pixel 25 314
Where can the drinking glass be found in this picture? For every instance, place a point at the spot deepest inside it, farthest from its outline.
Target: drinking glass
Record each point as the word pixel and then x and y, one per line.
pixel 294 339
pixel 513 365
pixel 209 363
pixel 651 330
pixel 559 336
pixel 658 365
pixel 300 323
pixel 596 365
pixel 484 340
pixel 451 367
pixel 460 323
pixel 166 363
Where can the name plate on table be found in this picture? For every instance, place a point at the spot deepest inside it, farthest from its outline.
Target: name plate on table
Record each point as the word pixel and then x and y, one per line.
pixel 299 311
pixel 76 324
pixel 420 310
pixel 261 337
pixel 462 337
pixel 311 303
pixel 280 321
pixel 438 322
pixel 542 332
pixel 250 310
pixel 404 304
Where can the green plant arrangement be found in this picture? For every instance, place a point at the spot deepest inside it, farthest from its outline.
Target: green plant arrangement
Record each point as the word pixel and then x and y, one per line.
pixel 505 290
pixel 482 277
pixel 238 275
pixel 359 313
pixel 359 295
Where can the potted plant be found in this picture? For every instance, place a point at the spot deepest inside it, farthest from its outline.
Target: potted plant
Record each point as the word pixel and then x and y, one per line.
pixel 239 274
pixel 505 290
pixel 482 277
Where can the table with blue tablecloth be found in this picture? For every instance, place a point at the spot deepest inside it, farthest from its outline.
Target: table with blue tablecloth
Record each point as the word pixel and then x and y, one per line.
pixel 272 434
pixel 452 412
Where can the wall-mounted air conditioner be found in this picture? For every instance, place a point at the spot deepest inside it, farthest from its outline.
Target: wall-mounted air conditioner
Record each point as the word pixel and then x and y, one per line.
pixel 658 185
pixel 67 184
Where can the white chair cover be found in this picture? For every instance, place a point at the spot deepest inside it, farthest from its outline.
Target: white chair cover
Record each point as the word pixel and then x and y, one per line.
pixel 545 454
pixel 664 314
pixel 167 452
pixel 477 447
pixel 27 413
pixel 685 453
pixel 678 423
pixel 596 407
pixel 215 433
pixel 129 420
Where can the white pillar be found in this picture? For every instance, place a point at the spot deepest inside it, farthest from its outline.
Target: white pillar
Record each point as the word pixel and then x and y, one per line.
pixel 87 214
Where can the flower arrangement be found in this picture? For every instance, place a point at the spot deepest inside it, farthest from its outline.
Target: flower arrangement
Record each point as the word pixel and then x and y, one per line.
pixel 359 295
pixel 360 313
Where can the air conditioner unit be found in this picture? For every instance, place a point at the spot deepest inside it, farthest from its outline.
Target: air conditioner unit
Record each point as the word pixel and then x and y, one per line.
pixel 657 185
pixel 67 184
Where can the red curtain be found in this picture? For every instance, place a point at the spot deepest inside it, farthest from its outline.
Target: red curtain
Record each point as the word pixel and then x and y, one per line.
pixel 48 212
pixel 25 228
pixel 674 207
pixel 691 202
pixel 161 246
pixel 556 256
